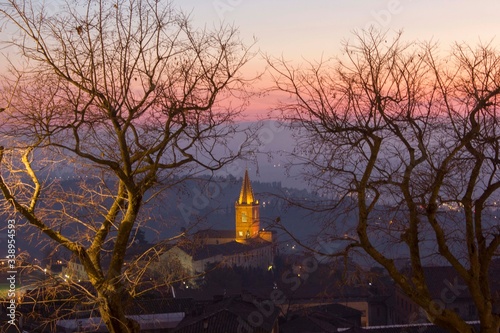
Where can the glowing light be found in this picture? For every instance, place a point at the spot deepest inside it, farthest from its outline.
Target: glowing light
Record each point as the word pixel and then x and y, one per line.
pixel 246 193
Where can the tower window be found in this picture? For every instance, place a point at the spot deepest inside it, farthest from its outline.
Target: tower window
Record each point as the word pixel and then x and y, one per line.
pixel 240 233
pixel 244 217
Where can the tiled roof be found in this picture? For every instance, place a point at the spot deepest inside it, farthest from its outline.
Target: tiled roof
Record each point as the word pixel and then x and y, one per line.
pixel 322 318
pixel 307 324
pixel 225 249
pixel 228 315
pixel 220 322
pixel 336 309
pixel 215 233
pixel 160 305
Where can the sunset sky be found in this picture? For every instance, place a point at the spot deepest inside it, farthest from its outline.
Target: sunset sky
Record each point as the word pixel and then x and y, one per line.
pixel 298 30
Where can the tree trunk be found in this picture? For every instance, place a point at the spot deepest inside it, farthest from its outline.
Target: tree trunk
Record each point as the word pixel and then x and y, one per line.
pixel 488 322
pixel 112 312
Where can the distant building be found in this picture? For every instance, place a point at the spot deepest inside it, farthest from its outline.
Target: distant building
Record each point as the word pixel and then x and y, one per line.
pixel 246 246
pixel 449 291
pixel 56 268
pixel 233 314
pixel 74 271
pixel 373 309
pixel 367 292
pixel 322 318
pixel 247 212
pixel 153 316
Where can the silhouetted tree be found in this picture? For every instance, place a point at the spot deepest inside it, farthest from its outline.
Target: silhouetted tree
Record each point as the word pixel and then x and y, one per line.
pixel 125 94
pixel 405 138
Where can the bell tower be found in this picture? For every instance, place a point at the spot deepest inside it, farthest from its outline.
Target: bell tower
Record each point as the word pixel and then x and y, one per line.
pixel 247 212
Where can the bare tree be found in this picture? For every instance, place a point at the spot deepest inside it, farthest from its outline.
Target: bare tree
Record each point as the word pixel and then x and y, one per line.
pixel 128 95
pixel 405 138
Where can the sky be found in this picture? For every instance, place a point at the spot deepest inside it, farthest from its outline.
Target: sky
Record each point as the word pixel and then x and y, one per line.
pixel 300 30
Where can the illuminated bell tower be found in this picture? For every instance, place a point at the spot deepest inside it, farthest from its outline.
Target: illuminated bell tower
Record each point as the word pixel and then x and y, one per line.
pixel 247 212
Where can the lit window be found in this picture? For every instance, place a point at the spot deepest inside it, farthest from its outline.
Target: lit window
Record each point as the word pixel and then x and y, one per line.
pixel 243 217
pixel 240 233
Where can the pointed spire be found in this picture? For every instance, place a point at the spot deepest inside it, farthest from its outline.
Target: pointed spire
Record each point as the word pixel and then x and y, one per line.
pixel 246 193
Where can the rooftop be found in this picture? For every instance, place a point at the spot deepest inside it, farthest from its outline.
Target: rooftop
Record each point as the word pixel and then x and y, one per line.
pixel 225 249
pixel 228 315
pixel 214 233
pixel 246 193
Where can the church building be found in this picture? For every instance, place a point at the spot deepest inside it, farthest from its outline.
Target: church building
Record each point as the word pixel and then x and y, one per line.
pixel 246 246
pixel 247 212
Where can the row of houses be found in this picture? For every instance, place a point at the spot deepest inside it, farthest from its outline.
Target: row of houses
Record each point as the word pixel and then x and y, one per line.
pixel 247 245
pixel 296 299
pixel 236 313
